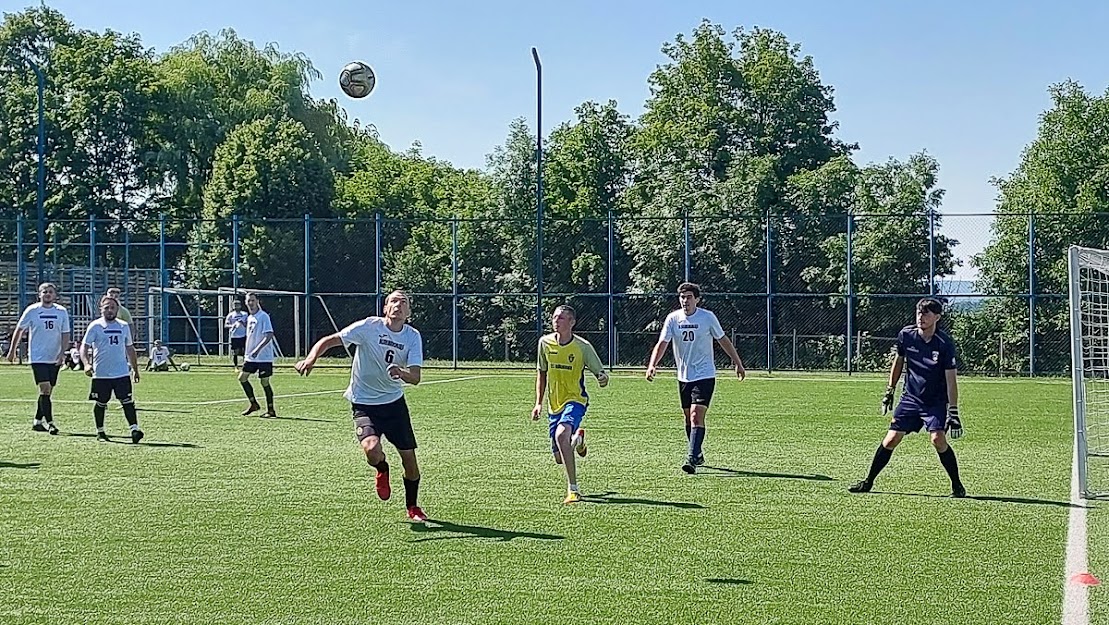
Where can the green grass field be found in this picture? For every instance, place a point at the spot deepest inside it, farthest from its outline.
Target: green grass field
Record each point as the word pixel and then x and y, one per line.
pixel 219 519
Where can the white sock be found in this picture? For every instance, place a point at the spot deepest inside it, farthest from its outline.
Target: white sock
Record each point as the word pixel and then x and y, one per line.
pixel 39 421
pixel 135 427
pixel 99 430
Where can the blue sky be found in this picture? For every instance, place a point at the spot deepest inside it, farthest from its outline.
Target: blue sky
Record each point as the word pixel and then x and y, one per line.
pixel 965 81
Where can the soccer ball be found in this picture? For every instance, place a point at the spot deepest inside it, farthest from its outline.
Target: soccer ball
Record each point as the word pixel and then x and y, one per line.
pixel 357 79
pixel 185 366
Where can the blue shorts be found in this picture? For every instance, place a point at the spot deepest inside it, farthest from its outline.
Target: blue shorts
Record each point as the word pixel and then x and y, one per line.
pixel 571 414
pixel 910 417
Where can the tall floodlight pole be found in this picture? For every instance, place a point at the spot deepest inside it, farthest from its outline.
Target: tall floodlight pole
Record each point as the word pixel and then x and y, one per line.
pixel 538 192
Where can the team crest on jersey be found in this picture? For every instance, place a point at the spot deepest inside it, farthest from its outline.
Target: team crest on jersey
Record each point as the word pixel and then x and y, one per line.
pixel 936 356
pixel 570 358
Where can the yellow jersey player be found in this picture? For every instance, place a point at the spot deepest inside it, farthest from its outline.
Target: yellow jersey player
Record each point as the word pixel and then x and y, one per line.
pixel 561 364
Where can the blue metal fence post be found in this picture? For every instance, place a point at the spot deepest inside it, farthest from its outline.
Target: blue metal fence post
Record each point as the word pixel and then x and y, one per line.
pixel 378 238
pixel 307 283
pixel 20 263
pixel 769 292
pixel 932 250
pixel 612 328
pixel 1031 294
pixel 850 288
pixel 163 280
pixel 235 254
pixel 454 293
pixel 92 256
pixel 126 260
pixel 538 193
pixel 687 261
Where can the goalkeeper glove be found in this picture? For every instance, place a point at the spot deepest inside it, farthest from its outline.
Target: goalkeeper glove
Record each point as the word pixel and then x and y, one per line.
pixel 887 400
pixel 954 426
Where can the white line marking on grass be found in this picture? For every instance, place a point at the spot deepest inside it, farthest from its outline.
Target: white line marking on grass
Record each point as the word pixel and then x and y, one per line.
pixel 215 402
pixel 1076 607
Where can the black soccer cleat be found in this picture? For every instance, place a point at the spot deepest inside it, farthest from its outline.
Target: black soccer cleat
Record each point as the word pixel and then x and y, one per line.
pixel 862 486
pixel 689 466
pixel 102 437
pixel 251 409
pixel 38 427
pixel 53 429
pixel 958 491
pixel 136 436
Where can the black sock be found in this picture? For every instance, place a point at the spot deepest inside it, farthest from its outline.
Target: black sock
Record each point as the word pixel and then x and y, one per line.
pixel 249 390
pixel 382 467
pixel 46 409
pixel 688 426
pixel 411 489
pixel 131 414
pixel 235 360
pixel 881 459
pixel 98 416
pixel 951 465
pixel 268 390
pixel 38 410
pixel 696 438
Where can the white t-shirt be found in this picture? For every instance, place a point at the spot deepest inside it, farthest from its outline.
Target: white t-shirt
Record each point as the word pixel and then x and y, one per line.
pixel 236 322
pixel 257 325
pixel 692 337
pixel 46 324
pixel 109 341
pixel 378 347
pixel 159 355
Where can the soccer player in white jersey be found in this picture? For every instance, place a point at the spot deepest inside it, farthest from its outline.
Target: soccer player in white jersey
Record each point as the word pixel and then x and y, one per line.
pixel 160 358
pixel 389 353
pixel 47 325
pixel 235 322
pixel 259 356
pixel 693 330
pixel 107 351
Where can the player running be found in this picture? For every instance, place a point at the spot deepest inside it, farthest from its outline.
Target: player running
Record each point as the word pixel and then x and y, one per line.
pixel 259 356
pixel 107 350
pixel 562 360
pixel 693 329
pixel 929 398
pixel 48 328
pixel 389 353
pixel 236 325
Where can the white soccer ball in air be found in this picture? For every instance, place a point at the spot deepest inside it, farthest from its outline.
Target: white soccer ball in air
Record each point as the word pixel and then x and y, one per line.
pixel 357 79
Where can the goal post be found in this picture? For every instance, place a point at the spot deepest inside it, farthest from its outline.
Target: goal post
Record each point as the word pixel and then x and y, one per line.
pixel 1088 280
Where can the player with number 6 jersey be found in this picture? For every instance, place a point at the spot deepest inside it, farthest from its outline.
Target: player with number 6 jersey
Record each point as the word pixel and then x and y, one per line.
pixel 48 327
pixel 388 354
pixel 692 330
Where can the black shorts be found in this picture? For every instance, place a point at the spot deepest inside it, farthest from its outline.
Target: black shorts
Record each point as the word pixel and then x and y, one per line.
pixel 104 388
pixel 238 345
pixel 389 420
pixel 696 392
pixel 263 369
pixel 45 372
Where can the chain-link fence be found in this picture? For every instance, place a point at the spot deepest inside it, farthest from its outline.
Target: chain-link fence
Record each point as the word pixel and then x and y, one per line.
pixel 816 292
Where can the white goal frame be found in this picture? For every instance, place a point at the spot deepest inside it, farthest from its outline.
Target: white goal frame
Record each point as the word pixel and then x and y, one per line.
pixel 1087 351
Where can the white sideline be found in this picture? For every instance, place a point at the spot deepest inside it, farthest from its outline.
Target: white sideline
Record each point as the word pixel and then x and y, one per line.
pixel 215 402
pixel 1076 606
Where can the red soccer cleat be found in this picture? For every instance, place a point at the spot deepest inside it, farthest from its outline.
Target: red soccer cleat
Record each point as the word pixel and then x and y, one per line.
pixel 382 484
pixel 416 515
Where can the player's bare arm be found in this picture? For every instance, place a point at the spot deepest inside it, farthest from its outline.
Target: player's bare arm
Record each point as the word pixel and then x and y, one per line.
pixel 17 336
pixel 737 362
pixel 408 375
pixel 265 341
pixel 656 356
pixel 952 387
pixel 540 388
pixel 133 358
pixel 66 338
pixel 304 367
pixel 86 358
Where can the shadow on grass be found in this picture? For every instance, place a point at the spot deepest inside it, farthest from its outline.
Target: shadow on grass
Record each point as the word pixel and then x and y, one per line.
pixel 19 465
pixel 166 410
pixel 608 498
pixel 126 440
pixel 1002 499
pixel 299 419
pixel 473 531
pixel 726 472
pixel 729 581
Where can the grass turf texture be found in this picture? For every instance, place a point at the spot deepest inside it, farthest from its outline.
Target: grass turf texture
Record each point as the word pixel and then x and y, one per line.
pixel 217 518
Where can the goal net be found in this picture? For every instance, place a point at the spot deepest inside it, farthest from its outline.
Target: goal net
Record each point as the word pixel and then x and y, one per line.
pixel 1089 320
pixel 191 321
